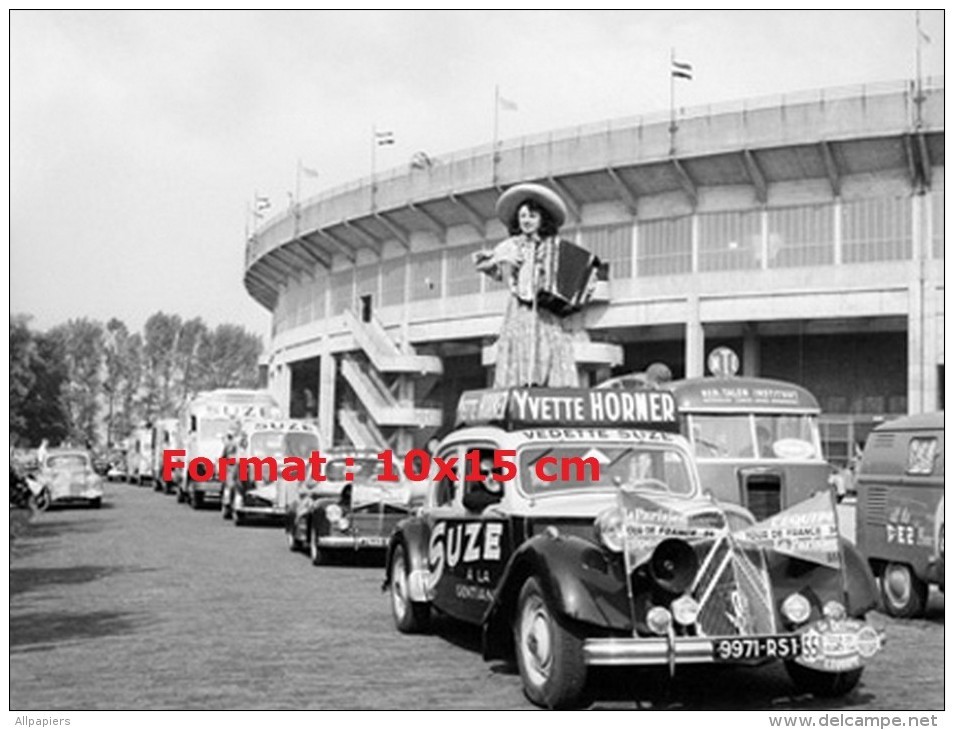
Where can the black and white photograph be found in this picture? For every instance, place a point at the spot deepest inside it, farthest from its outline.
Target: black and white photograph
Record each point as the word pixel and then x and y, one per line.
pixel 476 360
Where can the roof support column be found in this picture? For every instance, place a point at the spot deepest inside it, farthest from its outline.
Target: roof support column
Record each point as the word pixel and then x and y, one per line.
pixel 327 372
pixel 695 338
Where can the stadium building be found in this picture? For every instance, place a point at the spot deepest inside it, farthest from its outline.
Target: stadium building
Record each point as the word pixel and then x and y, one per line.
pixel 805 232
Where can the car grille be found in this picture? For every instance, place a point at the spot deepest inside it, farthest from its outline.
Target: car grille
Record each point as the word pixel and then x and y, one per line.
pixel 733 591
pixel 763 495
pixel 877 500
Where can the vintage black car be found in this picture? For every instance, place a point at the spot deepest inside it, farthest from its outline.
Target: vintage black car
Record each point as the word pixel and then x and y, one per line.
pixel 570 525
pixel 352 510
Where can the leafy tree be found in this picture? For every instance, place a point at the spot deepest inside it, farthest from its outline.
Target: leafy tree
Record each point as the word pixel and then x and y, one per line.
pixel 37 377
pixel 82 344
pixel 160 343
pixel 229 358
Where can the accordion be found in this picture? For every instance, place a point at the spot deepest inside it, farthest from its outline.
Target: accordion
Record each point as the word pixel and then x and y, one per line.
pixel 570 275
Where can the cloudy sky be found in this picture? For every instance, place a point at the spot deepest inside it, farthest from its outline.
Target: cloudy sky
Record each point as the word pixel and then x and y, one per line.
pixel 138 139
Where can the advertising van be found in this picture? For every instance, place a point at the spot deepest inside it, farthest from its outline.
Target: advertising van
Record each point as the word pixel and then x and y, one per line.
pixel 267 494
pixel 756 441
pixel 165 436
pixel 205 420
pixel 900 512
pixel 139 456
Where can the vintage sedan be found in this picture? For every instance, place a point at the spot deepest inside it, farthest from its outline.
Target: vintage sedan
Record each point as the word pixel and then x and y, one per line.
pixel 352 510
pixel 570 525
pixel 67 477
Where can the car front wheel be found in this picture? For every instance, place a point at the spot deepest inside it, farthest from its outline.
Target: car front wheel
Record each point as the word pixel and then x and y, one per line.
pixel 549 654
pixel 410 617
pixel 42 501
pixel 293 544
pixel 823 684
pixel 314 550
pixel 904 594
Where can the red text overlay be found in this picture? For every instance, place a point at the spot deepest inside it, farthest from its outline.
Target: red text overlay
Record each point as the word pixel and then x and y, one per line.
pixel 417 466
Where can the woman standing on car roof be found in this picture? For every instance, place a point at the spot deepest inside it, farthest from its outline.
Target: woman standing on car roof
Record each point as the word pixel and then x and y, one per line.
pixel 535 346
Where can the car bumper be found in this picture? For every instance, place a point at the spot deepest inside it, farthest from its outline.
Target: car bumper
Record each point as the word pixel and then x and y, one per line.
pixel 88 496
pixel 212 490
pixel 353 541
pixel 646 652
pixel 260 511
pixel 827 645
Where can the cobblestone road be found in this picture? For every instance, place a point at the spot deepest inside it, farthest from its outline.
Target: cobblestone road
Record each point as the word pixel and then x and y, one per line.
pixel 147 604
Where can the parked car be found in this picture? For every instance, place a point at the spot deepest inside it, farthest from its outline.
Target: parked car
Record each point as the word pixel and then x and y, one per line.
pixel 67 477
pixel 352 510
pixel 899 518
pixel 573 529
pixel 246 497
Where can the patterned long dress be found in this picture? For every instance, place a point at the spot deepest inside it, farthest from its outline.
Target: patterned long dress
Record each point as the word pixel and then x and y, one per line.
pixel 535 345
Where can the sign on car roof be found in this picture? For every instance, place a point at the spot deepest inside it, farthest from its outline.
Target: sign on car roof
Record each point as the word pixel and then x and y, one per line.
pixel 513 408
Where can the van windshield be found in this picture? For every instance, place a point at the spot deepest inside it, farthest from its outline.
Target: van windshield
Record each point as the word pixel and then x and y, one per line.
pixel 213 428
pixel 280 444
pixel 756 436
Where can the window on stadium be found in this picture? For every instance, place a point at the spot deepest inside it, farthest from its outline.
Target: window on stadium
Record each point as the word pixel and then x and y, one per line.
pixel 613 245
pixel 877 229
pixel 462 277
pixel 426 281
pixel 342 291
pixel 317 293
pixel 392 281
pixel 664 247
pixel 366 278
pixel 730 240
pixel 801 236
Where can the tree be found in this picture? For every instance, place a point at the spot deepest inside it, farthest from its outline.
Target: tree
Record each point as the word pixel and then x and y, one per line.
pixel 37 379
pixel 160 343
pixel 229 358
pixel 83 344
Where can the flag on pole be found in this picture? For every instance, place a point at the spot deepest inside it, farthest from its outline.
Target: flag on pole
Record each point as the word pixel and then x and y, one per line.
pixel 262 203
pixel 681 70
pixel 507 105
pixel 421 161
pixel 384 138
pixel 308 171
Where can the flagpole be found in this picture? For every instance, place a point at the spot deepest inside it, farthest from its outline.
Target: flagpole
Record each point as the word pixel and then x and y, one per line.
pixel 917 84
pixel 298 182
pixel 672 102
pixel 496 129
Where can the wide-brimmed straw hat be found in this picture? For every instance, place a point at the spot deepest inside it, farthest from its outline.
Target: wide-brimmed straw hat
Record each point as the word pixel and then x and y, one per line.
pixel 513 198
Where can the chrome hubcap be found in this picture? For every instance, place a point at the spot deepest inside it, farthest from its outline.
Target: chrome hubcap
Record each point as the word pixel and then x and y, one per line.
pixel 536 641
pixel 897 584
pixel 398 587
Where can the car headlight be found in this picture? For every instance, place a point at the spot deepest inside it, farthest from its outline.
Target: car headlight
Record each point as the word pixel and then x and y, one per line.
pixel 333 512
pixel 610 530
pixel 834 610
pixel 685 610
pixel 796 608
pixel 659 620
pixel 343 524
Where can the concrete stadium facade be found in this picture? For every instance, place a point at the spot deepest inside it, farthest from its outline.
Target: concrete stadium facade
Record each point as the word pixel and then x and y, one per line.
pixel 805 232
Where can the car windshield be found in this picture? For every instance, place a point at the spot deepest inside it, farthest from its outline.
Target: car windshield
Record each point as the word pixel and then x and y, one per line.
pixel 300 444
pixel 281 444
pixel 361 468
pixel 213 428
pixel 755 436
pixel 68 461
pixel 586 466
